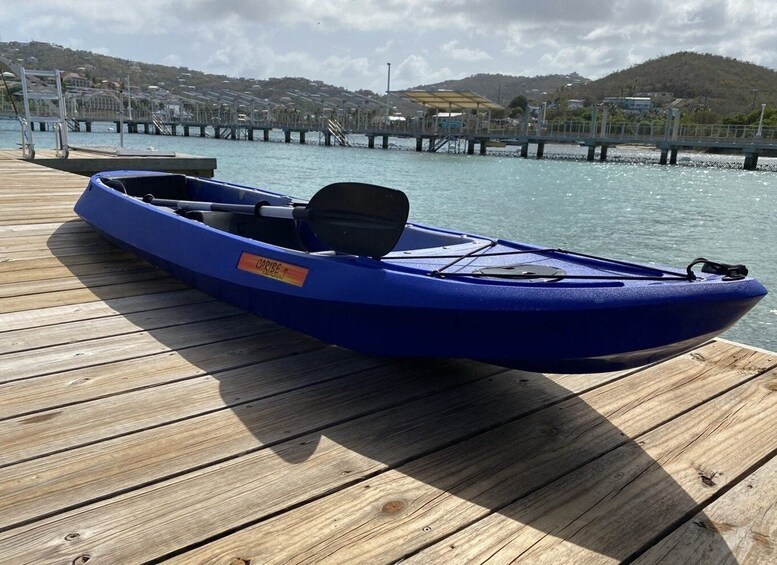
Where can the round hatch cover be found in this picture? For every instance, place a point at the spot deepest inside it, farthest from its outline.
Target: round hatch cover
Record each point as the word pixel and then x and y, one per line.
pixel 528 272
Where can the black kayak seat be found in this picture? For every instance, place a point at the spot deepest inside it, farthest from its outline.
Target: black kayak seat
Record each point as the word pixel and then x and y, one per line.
pixel 166 186
pixel 275 231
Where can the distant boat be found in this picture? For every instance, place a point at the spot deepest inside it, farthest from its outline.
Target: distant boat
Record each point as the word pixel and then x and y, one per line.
pixel 347 268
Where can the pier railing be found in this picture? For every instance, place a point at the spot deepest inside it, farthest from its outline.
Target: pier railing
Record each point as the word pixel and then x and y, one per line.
pixel 561 131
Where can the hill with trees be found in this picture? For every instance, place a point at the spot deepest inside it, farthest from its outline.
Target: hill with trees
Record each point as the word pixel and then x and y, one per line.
pixel 504 88
pixel 711 86
pixel 708 88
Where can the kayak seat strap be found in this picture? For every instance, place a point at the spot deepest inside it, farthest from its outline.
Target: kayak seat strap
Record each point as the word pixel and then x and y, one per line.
pixel 275 231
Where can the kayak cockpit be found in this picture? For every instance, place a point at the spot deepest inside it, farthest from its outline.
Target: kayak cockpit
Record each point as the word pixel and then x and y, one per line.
pixel 282 232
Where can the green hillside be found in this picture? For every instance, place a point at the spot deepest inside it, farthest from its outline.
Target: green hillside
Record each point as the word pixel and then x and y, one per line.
pixel 722 85
pixel 707 87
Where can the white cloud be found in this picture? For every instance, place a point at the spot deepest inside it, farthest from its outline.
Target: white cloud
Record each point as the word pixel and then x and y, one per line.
pixel 347 42
pixel 452 50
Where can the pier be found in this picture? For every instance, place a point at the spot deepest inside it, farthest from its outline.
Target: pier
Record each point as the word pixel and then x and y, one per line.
pixel 87 162
pixel 721 138
pixel 143 421
pixel 457 122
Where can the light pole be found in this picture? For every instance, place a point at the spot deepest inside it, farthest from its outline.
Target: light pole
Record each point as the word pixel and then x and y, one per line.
pixel 388 89
pixel 759 133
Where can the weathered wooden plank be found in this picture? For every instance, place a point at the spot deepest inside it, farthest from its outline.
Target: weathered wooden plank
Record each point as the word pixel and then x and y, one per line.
pixel 18 366
pixel 245 489
pixel 49 261
pixel 85 330
pixel 83 293
pixel 62 428
pixel 88 383
pixel 616 505
pixel 35 276
pixel 400 512
pixel 11 233
pixel 40 317
pixel 745 518
pixel 331 387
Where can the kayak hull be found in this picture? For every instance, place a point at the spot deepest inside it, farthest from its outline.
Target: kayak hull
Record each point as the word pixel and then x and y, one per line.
pixel 390 307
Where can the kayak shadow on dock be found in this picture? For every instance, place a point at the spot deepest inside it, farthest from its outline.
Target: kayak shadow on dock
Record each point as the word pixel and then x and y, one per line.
pixel 448 447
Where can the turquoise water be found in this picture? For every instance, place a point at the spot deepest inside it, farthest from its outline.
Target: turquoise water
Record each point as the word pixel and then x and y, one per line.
pixel 644 212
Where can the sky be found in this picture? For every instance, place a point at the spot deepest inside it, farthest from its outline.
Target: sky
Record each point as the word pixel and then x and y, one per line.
pixel 348 43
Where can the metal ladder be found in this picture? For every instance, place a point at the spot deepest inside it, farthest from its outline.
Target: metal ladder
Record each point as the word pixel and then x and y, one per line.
pixel 53 100
pixel 338 132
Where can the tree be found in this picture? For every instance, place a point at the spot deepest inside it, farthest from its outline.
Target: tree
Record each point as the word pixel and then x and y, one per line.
pixel 519 101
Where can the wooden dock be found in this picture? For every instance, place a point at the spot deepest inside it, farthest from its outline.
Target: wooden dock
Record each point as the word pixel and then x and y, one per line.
pixel 143 421
pixel 88 162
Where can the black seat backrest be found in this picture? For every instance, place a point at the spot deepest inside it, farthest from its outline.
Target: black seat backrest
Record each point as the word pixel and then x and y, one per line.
pixel 275 231
pixel 167 186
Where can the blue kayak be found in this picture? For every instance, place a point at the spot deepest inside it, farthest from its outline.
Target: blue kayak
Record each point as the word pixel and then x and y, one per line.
pixel 346 267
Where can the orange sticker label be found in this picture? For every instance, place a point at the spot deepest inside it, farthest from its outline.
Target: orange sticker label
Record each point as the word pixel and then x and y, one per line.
pixel 284 272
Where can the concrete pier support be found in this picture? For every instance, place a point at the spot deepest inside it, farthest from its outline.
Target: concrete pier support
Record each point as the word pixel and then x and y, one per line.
pixel 186 131
pixel 287 136
pixel 217 132
pixel 250 134
pixel 603 153
pixel 385 142
pixel 751 161
pixel 664 155
pixel 591 152
pixel 483 146
pixel 302 137
pixel 266 135
pixel 471 146
pixel 327 138
pixel 145 127
pixel 525 150
pixel 371 141
pixel 673 156
pixel 233 132
pixel 432 143
pixel 174 129
pixel 540 149
pixel 419 144
pixel 202 131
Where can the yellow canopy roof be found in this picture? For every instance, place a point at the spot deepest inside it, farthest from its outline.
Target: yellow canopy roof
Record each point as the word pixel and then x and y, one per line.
pixel 446 99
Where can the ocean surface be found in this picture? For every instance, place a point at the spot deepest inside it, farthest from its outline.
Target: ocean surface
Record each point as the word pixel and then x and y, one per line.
pixel 627 208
